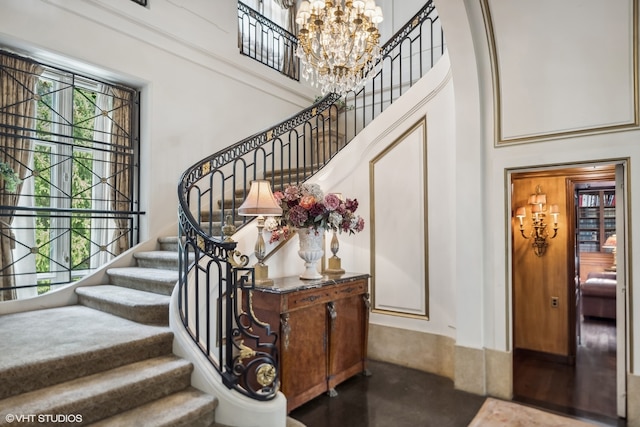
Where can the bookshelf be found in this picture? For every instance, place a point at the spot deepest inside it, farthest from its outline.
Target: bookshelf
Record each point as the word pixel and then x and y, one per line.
pixel 596 218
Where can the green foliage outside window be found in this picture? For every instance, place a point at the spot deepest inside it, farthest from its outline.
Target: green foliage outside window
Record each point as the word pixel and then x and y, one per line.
pixel 9 177
pixel 47 185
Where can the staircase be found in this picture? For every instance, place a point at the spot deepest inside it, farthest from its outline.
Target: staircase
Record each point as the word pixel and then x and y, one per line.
pixel 107 361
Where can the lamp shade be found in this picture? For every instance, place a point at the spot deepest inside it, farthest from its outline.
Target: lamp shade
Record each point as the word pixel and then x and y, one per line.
pixel 611 242
pixel 521 212
pixel 260 201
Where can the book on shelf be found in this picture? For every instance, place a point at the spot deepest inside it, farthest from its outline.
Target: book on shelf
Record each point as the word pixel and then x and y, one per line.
pixel 609 200
pixel 589 200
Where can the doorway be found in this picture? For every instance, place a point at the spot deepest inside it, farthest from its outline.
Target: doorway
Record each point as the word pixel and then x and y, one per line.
pixel 566 360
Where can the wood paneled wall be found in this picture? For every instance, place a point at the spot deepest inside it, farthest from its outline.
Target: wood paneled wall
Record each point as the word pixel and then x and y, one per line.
pixel 537 325
pixel 536 280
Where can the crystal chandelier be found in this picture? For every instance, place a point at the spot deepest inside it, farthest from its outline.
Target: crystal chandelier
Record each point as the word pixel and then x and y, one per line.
pixel 338 42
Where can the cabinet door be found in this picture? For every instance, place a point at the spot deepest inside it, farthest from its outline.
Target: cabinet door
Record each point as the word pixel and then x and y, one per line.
pixel 303 354
pixel 347 343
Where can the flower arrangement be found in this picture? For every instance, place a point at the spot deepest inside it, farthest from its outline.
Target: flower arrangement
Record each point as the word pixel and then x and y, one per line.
pixel 307 206
pixel 10 177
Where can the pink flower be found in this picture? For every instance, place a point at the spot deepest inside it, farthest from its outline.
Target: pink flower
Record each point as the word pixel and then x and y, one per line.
pixel 351 205
pixel 298 216
pixel 331 202
pixel 278 195
pixel 291 193
pixel 281 233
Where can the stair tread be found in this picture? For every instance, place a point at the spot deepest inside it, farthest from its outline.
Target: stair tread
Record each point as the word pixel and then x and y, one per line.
pixel 77 331
pixel 125 296
pixel 94 391
pixel 174 410
pixel 157 280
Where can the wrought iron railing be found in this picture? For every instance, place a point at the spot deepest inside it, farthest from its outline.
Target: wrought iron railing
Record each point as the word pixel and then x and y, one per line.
pixel 267 42
pixel 215 289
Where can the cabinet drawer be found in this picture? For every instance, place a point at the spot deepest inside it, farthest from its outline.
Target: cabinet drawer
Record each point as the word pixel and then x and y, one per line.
pixel 347 290
pixel 306 298
pixel 323 295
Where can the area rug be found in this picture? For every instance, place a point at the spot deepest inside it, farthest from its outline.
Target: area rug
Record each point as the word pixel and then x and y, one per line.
pixel 500 413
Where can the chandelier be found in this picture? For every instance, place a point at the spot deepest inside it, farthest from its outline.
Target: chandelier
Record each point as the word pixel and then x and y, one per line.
pixel 338 42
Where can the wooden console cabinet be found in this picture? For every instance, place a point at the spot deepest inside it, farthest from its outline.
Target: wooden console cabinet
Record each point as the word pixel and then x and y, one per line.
pixel 323 331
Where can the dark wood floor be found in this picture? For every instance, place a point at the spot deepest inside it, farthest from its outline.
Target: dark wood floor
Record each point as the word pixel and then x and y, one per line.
pixel 586 389
pixel 393 396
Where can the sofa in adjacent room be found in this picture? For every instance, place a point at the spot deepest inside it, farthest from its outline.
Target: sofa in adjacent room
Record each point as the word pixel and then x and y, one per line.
pixel 598 295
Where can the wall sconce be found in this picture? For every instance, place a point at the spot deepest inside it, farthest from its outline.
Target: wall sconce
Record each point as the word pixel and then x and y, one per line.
pixel 539 232
pixel 611 243
pixel 260 202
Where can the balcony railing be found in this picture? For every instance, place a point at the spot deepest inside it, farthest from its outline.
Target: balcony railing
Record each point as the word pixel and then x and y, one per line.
pixel 215 286
pixel 267 42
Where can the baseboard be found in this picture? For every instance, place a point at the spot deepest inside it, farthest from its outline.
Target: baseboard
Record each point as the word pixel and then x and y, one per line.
pixel 548 357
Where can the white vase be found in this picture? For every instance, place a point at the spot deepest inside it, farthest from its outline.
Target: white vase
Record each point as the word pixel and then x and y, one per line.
pixel 310 251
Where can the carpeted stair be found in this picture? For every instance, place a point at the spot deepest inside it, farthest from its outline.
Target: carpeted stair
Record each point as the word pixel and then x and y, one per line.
pixel 107 360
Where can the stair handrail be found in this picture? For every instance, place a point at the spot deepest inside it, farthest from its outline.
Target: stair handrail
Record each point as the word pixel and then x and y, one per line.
pixel 288 153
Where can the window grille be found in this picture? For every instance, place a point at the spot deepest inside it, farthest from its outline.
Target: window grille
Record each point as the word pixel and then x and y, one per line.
pixel 74 146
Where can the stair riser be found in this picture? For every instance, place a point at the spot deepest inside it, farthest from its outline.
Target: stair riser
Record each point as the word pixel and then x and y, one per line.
pixel 149 315
pixel 188 408
pixel 130 397
pixel 169 243
pixel 32 377
pixel 158 263
pixel 169 246
pixel 142 284
pixel 216 228
pixel 231 203
pixel 215 216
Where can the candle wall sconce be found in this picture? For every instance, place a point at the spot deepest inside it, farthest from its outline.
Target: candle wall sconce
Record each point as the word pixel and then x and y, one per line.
pixel 538 232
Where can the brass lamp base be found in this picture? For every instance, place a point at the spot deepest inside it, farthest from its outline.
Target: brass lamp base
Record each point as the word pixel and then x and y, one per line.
pixel 261 275
pixel 335 267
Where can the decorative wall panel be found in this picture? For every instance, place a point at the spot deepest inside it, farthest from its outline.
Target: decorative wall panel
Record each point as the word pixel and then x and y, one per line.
pixel 398 180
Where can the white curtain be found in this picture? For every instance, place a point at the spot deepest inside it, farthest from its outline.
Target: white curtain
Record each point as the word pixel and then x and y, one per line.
pixel 270 9
pixel 24 228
